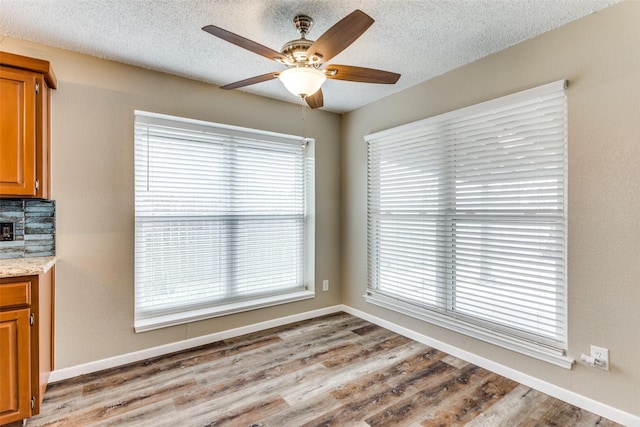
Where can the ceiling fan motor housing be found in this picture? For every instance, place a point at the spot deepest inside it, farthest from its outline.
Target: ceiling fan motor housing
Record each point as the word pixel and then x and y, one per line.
pixel 297 49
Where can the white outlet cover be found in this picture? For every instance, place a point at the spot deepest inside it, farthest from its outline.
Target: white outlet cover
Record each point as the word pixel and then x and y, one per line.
pixel 602 354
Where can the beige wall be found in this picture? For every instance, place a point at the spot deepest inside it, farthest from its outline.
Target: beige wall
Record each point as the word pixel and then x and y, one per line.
pixel 600 56
pixel 92 137
pixel 93 187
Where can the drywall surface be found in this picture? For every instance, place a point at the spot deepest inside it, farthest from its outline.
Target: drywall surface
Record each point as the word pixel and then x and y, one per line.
pixel 93 185
pixel 599 56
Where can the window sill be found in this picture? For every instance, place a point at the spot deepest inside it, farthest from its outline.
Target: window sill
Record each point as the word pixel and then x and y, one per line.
pixel 556 357
pixel 149 324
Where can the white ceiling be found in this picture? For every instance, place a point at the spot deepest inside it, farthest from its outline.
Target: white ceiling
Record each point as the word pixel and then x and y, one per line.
pixel 419 39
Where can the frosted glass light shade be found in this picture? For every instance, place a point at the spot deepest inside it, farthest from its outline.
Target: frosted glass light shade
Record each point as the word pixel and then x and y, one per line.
pixel 302 81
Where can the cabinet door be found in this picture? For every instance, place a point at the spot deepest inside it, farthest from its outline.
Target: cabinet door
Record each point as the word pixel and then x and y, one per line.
pixel 15 366
pixel 17 132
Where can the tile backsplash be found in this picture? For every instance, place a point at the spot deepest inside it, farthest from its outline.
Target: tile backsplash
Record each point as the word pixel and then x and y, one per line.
pixel 34 227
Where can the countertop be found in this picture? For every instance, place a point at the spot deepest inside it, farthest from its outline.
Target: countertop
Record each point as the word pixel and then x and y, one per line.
pixel 13 267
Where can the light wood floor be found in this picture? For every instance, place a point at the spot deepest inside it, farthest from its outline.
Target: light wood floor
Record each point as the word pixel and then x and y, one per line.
pixel 336 370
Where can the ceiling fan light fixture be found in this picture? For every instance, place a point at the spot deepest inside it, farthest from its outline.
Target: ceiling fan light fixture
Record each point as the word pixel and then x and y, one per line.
pixel 302 81
pixel 304 57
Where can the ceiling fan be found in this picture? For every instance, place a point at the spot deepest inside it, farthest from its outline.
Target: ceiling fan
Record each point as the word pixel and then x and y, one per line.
pixel 305 58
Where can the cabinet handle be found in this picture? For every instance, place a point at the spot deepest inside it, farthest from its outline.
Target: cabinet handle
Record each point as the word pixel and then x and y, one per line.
pixel 32 319
pixel 37 87
pixel 37 184
pixel 33 402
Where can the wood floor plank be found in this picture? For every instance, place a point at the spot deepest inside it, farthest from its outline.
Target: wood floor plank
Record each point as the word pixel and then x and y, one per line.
pixel 359 401
pixel 171 365
pixel 246 414
pixel 514 408
pixel 256 368
pixel 278 352
pixel 471 402
pixel 157 414
pixel 267 389
pixel 302 414
pixel 362 353
pixel 421 405
pixel 554 411
pixel 407 373
pixel 326 324
pixel 351 372
pixel 116 405
pixel 334 370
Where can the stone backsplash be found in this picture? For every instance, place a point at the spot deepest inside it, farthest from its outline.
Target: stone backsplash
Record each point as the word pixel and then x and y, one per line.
pixel 34 227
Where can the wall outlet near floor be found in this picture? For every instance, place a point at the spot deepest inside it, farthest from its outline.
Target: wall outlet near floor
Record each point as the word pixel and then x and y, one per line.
pixel 602 355
pixel 599 358
pixel 325 285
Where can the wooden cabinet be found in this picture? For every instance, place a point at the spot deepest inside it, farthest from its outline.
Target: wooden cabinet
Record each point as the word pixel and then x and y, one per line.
pixel 25 99
pixel 15 370
pixel 26 344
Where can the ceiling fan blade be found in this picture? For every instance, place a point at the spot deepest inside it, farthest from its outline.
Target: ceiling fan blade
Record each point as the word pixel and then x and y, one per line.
pixel 246 43
pixel 341 35
pixel 316 100
pixel 250 81
pixel 360 74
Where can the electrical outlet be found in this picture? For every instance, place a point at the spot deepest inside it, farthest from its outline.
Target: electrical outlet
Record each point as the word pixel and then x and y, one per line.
pixel 601 354
pixel 7 231
pixel 325 285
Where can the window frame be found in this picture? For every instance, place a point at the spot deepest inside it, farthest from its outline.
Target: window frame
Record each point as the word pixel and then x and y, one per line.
pixel 552 351
pixel 145 321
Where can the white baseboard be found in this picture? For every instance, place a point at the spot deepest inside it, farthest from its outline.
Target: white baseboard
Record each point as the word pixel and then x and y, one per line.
pixel 124 359
pixel 571 397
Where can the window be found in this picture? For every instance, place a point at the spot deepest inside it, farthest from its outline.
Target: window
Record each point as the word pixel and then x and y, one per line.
pixel 466 221
pixel 223 220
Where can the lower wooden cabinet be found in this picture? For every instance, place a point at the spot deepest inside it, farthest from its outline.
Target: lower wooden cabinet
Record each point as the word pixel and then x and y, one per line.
pixel 15 370
pixel 26 344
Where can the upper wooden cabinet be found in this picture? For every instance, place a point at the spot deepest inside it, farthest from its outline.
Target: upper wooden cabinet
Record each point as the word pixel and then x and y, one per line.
pixel 25 99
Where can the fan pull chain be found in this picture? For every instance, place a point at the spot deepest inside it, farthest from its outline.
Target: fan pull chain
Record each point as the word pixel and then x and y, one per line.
pixel 303 115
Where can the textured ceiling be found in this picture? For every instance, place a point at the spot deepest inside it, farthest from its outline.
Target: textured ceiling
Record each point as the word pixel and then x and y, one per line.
pixel 419 39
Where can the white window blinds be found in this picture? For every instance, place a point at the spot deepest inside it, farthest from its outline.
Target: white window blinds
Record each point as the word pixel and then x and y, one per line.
pixel 466 221
pixel 222 219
